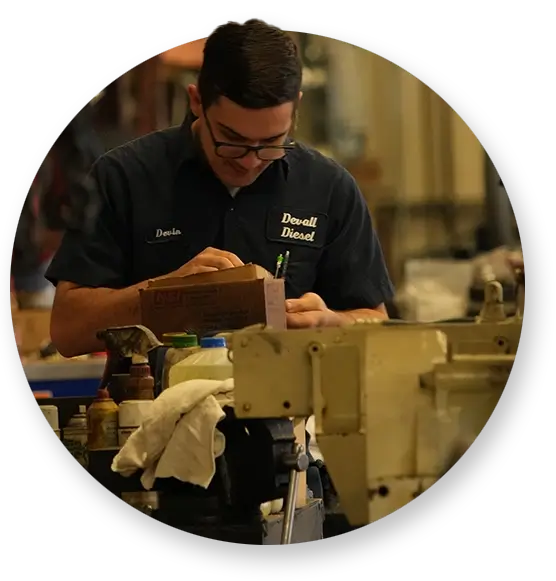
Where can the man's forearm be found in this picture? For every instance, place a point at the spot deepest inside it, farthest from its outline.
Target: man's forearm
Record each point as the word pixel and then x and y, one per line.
pixel 360 315
pixel 80 312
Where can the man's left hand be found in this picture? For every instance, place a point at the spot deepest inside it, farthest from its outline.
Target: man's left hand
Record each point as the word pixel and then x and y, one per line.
pixel 310 311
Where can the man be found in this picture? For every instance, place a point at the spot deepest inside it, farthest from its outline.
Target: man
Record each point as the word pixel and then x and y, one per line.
pixel 226 188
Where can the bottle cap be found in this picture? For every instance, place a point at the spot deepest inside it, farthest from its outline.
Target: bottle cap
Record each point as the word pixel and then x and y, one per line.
pixel 211 342
pixel 180 340
pixel 103 394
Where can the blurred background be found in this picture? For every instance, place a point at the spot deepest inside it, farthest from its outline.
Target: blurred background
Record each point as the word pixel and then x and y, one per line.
pixel 437 202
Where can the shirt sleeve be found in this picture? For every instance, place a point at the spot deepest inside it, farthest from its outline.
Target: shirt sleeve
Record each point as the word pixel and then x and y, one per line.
pixel 352 273
pixel 98 256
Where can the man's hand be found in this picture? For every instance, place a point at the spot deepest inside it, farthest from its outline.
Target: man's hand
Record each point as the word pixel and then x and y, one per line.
pixel 209 260
pixel 310 311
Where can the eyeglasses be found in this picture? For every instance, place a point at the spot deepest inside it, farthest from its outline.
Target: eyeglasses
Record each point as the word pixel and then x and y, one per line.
pixel 235 151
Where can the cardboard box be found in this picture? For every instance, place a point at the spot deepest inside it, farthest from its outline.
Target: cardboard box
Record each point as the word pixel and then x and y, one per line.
pixel 249 272
pixel 214 302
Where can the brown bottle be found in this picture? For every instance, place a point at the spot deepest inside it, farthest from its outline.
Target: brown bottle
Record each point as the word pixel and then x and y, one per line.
pixel 140 384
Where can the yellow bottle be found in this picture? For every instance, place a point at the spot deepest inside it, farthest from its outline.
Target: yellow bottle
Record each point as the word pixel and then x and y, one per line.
pixel 102 421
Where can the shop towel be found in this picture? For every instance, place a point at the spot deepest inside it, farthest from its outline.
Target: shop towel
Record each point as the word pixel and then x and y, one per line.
pixel 179 438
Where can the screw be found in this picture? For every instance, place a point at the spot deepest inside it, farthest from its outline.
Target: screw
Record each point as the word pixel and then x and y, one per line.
pixel 383 491
pixel 246 407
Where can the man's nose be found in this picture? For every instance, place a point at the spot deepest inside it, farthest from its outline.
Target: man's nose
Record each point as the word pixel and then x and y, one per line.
pixel 250 161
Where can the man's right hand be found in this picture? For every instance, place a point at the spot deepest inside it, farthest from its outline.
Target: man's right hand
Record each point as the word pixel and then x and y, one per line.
pixel 209 260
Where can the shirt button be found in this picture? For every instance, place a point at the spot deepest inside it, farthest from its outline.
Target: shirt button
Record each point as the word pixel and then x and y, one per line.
pixel 231 209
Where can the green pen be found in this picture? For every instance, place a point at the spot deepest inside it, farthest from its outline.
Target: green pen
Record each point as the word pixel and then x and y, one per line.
pixel 279 261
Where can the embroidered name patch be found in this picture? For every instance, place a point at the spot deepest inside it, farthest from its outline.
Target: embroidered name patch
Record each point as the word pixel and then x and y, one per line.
pixel 292 226
pixel 163 235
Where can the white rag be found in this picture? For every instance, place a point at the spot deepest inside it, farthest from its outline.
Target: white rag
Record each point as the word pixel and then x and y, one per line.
pixel 179 437
pixel 313 444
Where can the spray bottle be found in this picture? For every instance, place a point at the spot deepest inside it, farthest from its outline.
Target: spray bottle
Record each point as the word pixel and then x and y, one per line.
pixel 133 411
pixel 137 393
pixel 133 342
pixel 139 397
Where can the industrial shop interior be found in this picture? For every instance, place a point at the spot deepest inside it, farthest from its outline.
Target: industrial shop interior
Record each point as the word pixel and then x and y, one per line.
pixel 315 341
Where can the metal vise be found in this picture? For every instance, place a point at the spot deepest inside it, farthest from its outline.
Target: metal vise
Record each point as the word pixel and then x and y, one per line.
pixel 261 461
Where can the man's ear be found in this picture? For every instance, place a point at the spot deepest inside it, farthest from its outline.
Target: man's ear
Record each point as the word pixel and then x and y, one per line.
pixel 194 100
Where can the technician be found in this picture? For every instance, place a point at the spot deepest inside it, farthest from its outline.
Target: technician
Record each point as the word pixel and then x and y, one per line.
pixel 227 187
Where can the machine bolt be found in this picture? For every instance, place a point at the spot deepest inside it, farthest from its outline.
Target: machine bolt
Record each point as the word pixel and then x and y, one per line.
pixel 383 491
pixel 298 460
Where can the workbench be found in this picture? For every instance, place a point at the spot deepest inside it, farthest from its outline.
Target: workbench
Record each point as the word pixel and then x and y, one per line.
pixel 65 378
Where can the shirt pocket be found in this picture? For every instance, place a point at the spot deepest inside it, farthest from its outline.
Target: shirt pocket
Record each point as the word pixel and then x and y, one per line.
pixel 302 233
pixel 300 277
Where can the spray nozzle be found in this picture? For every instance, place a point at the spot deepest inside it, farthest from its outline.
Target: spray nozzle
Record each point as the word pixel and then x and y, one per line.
pixel 134 341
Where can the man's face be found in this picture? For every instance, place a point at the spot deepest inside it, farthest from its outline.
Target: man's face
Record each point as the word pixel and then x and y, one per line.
pixel 226 122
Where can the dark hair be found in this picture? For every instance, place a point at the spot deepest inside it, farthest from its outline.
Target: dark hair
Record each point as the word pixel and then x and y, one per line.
pixel 255 65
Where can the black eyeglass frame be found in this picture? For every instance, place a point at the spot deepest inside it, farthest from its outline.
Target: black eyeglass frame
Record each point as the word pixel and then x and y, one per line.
pixel 256 149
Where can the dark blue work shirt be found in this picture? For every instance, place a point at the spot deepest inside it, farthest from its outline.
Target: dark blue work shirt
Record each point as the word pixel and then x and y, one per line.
pixel 162 205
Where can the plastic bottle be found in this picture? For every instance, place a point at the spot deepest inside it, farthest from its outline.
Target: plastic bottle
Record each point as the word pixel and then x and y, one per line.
pixel 76 436
pixel 102 421
pixel 51 414
pixel 130 416
pixel 210 362
pixel 180 346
